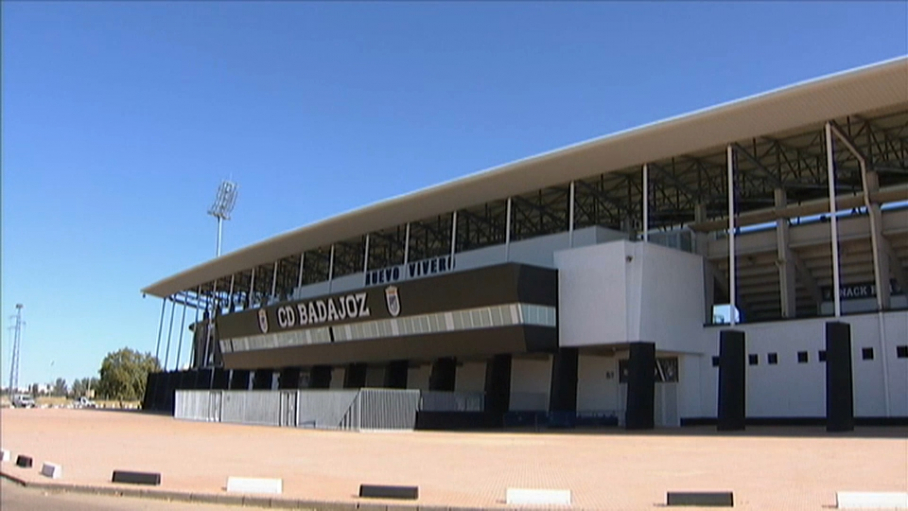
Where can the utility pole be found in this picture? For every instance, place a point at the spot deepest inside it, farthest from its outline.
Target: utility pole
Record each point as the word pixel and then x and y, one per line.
pixel 17 339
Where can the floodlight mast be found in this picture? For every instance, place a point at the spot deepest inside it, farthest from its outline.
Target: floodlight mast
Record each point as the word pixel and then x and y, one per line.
pixel 223 206
pixel 17 339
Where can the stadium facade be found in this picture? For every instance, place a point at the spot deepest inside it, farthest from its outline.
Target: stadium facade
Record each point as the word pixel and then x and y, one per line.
pixel 544 284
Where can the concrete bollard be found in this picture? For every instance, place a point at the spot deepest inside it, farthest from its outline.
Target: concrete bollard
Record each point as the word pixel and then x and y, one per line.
pixel 52 470
pixel 4 456
pixel 254 485
pixel 532 497
pixel 384 491
pixel 871 500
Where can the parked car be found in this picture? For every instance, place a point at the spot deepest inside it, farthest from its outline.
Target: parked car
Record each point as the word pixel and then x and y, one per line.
pixel 23 401
pixel 84 402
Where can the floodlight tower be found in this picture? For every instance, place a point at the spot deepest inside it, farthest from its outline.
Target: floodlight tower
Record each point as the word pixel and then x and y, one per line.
pixel 223 205
pixel 17 338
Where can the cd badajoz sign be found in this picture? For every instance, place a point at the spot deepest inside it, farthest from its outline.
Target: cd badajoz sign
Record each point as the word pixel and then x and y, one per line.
pixel 328 310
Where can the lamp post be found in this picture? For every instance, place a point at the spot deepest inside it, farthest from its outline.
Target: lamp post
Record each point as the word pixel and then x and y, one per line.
pixel 223 206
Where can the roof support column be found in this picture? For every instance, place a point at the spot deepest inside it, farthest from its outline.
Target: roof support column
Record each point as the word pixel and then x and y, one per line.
pixel 176 364
pixel 507 233
pixel 173 306
pixel 732 281
pixel 645 200
pixel 274 280
pixel 830 171
pixel 365 256
pixel 407 243
pixel 871 184
pixel 331 269
pixel 230 294
pixel 299 277
pixel 701 239
pixel 453 235
pixel 157 348
pixel 195 330
pixel 210 330
pixel 784 262
pixel 571 218
pixel 251 290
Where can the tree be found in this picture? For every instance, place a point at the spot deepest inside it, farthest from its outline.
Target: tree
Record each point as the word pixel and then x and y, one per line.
pixel 59 388
pixel 79 387
pixel 123 374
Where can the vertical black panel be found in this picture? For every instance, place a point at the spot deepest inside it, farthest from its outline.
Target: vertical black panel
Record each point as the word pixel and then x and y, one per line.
pixel 320 377
pixel 396 374
pixel 262 379
pixel 563 397
pixel 221 379
pixel 498 385
pixel 148 398
pixel 203 379
pixel 289 378
pixel 839 387
pixel 240 379
pixel 187 380
pixel 732 381
pixel 641 386
pixel 443 375
pixel 172 379
pixel 355 376
pixel 160 392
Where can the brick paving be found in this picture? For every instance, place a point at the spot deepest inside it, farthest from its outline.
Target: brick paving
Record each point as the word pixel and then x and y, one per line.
pixel 767 468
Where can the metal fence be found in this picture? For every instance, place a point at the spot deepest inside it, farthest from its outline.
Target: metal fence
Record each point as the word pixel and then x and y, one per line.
pixel 361 409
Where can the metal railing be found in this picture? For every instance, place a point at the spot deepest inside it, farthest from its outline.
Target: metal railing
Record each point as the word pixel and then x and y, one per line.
pixel 361 409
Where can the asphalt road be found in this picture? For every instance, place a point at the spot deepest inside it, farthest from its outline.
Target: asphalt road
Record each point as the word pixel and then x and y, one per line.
pixel 14 497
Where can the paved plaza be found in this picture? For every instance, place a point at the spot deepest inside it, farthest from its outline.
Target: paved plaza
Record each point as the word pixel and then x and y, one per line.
pixel 767 468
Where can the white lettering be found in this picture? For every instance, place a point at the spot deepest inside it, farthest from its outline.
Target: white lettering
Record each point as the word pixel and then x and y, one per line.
pixel 313 316
pixel 332 311
pixel 363 308
pixel 350 305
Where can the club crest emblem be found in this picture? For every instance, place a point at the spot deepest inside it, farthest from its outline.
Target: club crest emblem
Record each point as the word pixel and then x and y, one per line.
pixel 263 321
pixel 392 299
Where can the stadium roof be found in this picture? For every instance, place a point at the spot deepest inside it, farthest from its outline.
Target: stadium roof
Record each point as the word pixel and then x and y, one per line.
pixel 867 89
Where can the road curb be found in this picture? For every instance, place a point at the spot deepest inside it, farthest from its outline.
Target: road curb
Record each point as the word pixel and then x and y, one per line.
pixel 208 498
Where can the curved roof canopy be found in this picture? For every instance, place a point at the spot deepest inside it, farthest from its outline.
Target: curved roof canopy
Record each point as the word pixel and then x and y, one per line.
pixel 867 89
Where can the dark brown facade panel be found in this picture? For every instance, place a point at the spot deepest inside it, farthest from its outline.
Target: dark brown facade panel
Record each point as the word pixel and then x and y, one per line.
pixel 462 344
pixel 493 285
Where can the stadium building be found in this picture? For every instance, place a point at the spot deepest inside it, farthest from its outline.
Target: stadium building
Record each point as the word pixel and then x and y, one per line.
pixel 551 284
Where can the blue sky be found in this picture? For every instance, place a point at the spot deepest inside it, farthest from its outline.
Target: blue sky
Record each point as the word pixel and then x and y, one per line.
pixel 120 119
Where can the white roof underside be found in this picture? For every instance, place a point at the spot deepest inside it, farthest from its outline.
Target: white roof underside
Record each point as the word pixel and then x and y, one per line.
pixel 875 87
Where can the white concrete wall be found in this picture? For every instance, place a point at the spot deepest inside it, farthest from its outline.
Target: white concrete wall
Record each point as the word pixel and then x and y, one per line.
pixel 472 259
pixel 418 377
pixel 337 377
pixel 470 377
pixel 693 369
pixel 790 389
pixel 348 282
pixel 537 251
pixel 671 307
pixel 318 289
pixel 592 303
pixel 597 383
pixel 623 291
pixel 531 381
